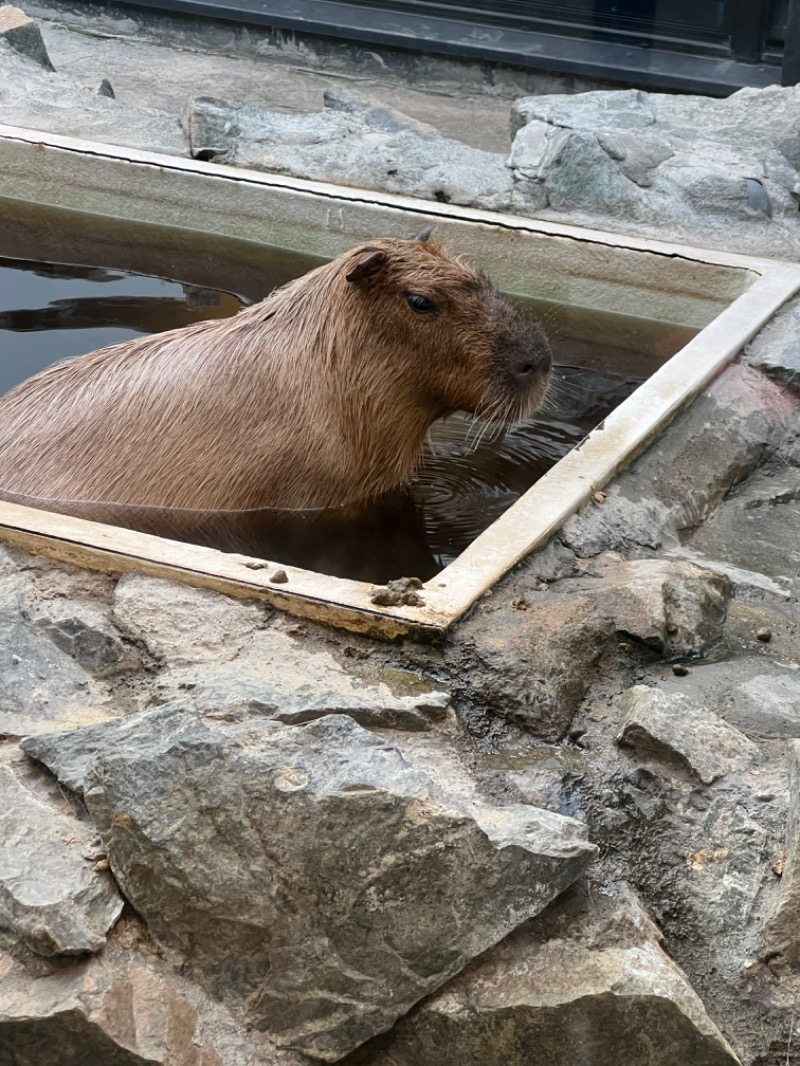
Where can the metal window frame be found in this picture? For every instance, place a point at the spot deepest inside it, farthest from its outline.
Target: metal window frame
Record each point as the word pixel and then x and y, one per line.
pixel 714 69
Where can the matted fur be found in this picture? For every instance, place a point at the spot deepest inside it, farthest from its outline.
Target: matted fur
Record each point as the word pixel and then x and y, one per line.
pixel 321 394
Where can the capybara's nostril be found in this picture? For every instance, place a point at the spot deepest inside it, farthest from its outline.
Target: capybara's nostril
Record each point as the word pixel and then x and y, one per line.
pixel 523 371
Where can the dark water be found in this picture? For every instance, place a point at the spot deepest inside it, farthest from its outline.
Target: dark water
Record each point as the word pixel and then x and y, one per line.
pixel 50 310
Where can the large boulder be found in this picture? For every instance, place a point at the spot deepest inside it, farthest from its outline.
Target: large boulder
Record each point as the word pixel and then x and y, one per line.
pixel 719 173
pixel 309 875
pixel 588 982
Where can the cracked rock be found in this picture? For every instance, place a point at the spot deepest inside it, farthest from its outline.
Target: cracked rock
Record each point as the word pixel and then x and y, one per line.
pixel 586 983
pixel 118 1009
pixel 675 726
pixel 309 875
pixel 51 897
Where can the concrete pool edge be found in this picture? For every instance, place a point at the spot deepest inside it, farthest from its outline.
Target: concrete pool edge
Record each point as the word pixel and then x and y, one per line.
pixel 523 528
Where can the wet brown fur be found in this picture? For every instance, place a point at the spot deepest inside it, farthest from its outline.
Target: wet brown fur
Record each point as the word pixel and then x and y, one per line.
pixel 320 395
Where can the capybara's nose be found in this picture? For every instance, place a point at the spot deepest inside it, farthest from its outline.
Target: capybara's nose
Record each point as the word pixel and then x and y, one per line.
pixel 523 370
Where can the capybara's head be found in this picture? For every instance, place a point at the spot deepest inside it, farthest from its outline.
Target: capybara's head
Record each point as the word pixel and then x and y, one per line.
pixel 447 329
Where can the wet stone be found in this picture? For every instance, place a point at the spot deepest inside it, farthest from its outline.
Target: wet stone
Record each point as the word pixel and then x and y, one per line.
pixel 759 697
pixel 366 885
pixel 660 498
pixel 758 527
pixel 673 726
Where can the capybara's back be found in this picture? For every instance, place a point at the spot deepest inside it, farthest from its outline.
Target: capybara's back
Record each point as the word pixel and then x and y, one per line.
pixel 322 394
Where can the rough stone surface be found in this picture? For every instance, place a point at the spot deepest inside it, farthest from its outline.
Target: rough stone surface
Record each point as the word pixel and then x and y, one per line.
pixel 758 526
pixel 23 35
pixel 334 925
pixel 775 349
pixel 59 649
pixel 587 982
pixel 122 1008
pixel 732 426
pixel 539 653
pixel 727 867
pixel 675 726
pixel 176 622
pixel 350 142
pixel 275 676
pixel 721 173
pixel 51 897
pixel 782 934
pixel 757 696
pixel 52 102
pixel 546 655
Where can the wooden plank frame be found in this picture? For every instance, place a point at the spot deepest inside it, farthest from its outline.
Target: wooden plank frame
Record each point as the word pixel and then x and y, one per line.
pixel 730 296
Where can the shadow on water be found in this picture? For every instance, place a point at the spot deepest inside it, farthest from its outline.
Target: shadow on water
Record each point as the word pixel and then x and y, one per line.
pixel 471 472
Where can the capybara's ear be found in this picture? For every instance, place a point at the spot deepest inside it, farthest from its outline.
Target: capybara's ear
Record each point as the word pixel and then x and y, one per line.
pixel 424 234
pixel 367 266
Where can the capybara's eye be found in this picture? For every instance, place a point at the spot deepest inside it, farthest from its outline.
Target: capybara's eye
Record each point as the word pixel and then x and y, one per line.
pixel 421 304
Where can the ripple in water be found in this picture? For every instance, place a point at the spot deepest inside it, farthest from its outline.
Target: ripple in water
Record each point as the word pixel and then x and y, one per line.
pixel 473 473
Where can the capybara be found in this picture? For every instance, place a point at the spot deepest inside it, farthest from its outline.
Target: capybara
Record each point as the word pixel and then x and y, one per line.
pixel 320 395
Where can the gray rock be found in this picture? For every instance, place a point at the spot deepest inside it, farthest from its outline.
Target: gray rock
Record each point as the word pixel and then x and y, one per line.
pixel 178 623
pixel 674 607
pixel 54 103
pixel 59 647
pixel 782 933
pixel 68 754
pixel 726 868
pixel 638 155
pixel 587 983
pixel 118 1009
pixel 277 676
pixel 580 175
pixel 776 348
pixel 531 659
pixel 212 127
pixel 758 527
pixel 23 35
pixel 51 897
pixel 274 677
pixel 674 726
pixel 731 425
pixel 531 655
pixel 714 172
pixel 769 705
pixel 43 688
pixel 85 632
pixel 352 142
pixel 357 888
pixel 631 109
pixel 757 696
